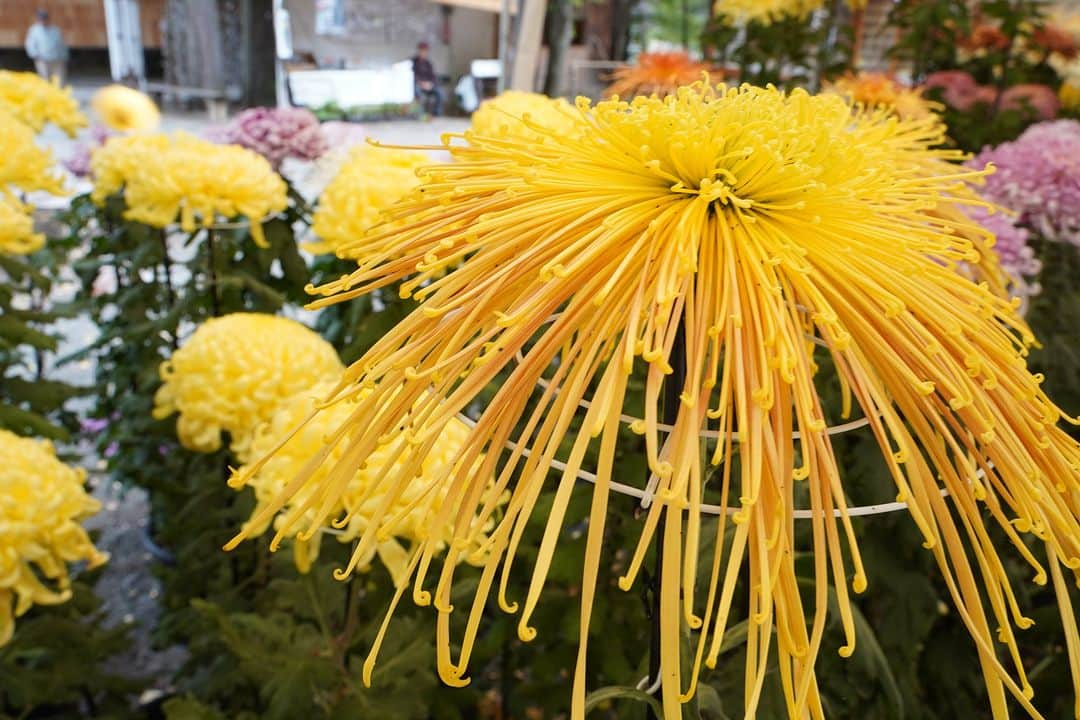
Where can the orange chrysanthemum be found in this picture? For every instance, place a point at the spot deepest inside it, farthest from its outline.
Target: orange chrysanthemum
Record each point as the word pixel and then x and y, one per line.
pixel 659 73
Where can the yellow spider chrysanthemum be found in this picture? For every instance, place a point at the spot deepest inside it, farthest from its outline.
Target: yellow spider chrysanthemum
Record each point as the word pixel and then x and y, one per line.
pixel 17 236
pixel 659 73
pixel 24 166
pixel 517 114
pixel 413 510
pixel 42 501
pixel 123 109
pixel 769 230
pixel 37 102
pixel 232 373
pixel 880 90
pixel 370 181
pixel 169 177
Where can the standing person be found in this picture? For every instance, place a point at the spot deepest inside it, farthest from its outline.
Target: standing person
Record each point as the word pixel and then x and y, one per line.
pixel 424 79
pixel 46 47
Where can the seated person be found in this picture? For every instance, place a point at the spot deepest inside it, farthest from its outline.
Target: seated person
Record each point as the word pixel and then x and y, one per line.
pixel 426 83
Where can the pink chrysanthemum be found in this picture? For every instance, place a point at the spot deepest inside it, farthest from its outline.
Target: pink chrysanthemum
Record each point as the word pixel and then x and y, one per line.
pixel 1038 176
pixel 1011 246
pixel 276 133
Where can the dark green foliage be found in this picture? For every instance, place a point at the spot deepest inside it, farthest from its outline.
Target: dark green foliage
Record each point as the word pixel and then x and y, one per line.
pixel 931 36
pixel 55 665
pixel 30 404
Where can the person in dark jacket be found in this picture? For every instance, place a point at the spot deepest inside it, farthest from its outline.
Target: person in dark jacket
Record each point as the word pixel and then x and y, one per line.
pixel 425 81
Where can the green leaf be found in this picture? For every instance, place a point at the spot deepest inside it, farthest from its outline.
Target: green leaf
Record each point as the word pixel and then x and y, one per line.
pixel 611 693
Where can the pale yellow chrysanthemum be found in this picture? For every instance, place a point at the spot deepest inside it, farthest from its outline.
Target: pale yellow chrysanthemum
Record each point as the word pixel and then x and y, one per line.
pixel 763 232
pixel 880 90
pixel 517 114
pixel 42 502
pixel 179 177
pixel 24 166
pixel 232 373
pixel 17 236
pixel 369 181
pixel 413 510
pixel 37 102
pixel 124 109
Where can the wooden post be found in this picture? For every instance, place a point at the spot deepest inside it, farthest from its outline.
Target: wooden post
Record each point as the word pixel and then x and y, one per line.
pixel 527 58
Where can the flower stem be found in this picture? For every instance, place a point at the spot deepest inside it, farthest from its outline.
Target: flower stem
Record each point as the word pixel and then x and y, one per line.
pixel 673 387
pixel 211 268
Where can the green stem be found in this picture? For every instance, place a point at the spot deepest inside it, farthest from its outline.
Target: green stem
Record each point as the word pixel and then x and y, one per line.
pixel 211 270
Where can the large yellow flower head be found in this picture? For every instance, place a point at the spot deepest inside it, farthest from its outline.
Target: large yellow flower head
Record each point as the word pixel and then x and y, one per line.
pixel 232 373
pixel 42 501
pixel 17 236
pixel 413 509
pixel 37 102
pixel 524 115
pixel 881 90
pixel 369 181
pixel 755 234
pixel 123 109
pixel 165 178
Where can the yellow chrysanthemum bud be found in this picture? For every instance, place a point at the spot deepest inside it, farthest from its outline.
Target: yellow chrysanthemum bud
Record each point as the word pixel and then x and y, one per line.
pixel 123 109
pixel 413 511
pixel 370 181
pixel 42 501
pixel 169 177
pixel 17 236
pixel 513 112
pixel 36 102
pixel 232 373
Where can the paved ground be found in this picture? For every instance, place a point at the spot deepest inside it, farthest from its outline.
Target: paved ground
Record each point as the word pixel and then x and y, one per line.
pixel 128 587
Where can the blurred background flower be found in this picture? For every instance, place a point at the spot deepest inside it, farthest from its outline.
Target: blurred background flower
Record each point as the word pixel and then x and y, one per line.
pixel 276 133
pixel 369 182
pixel 232 373
pixel 125 110
pixel 38 102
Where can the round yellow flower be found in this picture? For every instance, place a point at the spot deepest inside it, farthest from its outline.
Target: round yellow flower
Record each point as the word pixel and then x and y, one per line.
pixel 414 510
pixel 761 233
pixel 17 236
pixel 123 109
pixel 24 166
pixel 165 178
pixel 42 501
pixel 517 114
pixel 880 90
pixel 369 181
pixel 36 102
pixel 232 373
